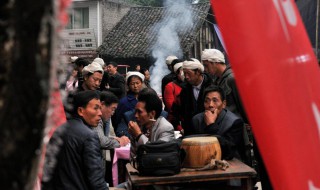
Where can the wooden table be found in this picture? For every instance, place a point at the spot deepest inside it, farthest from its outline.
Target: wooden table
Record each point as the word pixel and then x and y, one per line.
pixel 236 170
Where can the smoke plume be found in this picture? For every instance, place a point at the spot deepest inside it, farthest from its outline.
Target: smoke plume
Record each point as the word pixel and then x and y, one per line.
pixel 177 19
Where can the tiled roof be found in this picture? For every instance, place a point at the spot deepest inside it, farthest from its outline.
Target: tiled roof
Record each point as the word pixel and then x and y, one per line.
pixel 133 37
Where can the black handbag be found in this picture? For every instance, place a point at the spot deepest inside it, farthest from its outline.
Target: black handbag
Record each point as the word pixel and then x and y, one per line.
pixel 159 158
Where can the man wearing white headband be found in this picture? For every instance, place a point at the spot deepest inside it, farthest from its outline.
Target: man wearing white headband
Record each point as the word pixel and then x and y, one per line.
pixel 214 64
pixel 92 75
pixel 191 96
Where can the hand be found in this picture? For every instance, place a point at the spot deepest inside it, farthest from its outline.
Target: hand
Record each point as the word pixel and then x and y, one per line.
pixel 124 140
pixel 134 129
pixel 210 116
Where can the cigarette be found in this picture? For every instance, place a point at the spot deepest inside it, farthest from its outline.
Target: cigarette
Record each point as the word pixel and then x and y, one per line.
pixel 152 120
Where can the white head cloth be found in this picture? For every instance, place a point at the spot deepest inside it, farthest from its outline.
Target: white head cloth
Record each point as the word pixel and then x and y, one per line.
pixel 193 64
pixel 73 58
pixel 213 55
pixel 170 58
pixel 177 66
pixel 100 61
pixel 134 73
pixel 91 68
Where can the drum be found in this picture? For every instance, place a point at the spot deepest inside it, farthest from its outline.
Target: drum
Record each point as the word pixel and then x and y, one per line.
pixel 200 151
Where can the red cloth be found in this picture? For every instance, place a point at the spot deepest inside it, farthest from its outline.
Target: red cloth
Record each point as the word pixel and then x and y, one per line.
pixel 171 96
pixel 278 77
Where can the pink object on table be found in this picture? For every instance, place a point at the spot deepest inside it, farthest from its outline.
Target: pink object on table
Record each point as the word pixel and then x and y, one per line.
pixel 119 153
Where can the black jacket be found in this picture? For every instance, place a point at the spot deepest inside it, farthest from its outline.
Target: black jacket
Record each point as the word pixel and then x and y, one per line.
pixel 189 106
pixel 73 159
pixel 229 130
pixel 117 85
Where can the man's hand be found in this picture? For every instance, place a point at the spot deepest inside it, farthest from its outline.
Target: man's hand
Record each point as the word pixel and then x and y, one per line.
pixel 210 116
pixel 124 140
pixel 134 129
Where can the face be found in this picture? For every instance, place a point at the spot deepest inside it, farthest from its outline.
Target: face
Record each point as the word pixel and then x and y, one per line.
pixel 93 81
pixel 209 67
pixel 108 111
pixel 135 85
pixel 180 74
pixel 147 75
pixel 138 68
pixel 213 101
pixel 192 77
pixel 91 113
pixel 141 115
pixel 111 69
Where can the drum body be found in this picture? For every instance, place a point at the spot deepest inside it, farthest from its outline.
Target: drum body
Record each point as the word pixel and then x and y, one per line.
pixel 200 151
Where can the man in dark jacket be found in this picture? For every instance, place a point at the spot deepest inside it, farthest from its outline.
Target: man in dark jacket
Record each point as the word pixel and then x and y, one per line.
pixel 73 158
pixel 191 95
pixel 116 82
pixel 217 120
pixel 214 64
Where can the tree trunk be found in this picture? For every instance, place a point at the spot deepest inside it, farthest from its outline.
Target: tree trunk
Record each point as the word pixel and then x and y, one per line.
pixel 26 29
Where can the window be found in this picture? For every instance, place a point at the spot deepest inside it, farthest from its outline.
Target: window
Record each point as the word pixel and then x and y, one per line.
pixel 78 18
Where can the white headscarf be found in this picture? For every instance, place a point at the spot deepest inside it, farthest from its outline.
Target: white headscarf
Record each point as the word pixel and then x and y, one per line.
pixel 91 68
pixel 193 64
pixel 177 66
pixel 134 73
pixel 100 61
pixel 170 58
pixel 213 55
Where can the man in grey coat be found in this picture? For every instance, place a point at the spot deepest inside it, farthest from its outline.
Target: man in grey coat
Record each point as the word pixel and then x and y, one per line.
pixel 149 125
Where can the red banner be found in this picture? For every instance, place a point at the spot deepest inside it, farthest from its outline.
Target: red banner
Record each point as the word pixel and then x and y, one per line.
pixel 278 78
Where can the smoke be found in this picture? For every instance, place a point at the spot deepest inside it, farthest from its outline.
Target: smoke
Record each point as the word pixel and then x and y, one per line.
pixel 177 20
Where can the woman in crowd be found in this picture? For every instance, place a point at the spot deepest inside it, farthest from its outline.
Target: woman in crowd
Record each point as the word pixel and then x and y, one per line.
pixel 135 81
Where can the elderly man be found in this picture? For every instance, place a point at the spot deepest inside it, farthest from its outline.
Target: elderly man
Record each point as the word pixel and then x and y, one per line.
pixel 92 75
pixel 217 120
pixel 191 96
pixel 214 63
pixel 73 158
pixel 150 126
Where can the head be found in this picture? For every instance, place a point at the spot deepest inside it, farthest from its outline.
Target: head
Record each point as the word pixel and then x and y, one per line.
pixel 213 61
pixel 193 69
pixel 135 81
pixel 149 106
pixel 169 60
pixel 177 68
pixel 100 61
pixel 137 67
pixel 109 103
pixel 80 63
pixel 87 106
pixel 112 68
pixel 146 73
pixel 214 98
pixel 92 75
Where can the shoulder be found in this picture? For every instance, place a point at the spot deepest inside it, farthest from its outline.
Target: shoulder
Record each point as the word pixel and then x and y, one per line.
pixel 198 116
pixel 165 124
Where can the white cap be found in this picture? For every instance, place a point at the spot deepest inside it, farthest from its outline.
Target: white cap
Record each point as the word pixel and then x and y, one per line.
pixel 170 58
pixel 73 58
pixel 134 73
pixel 193 64
pixel 100 61
pixel 177 66
pixel 213 55
pixel 91 68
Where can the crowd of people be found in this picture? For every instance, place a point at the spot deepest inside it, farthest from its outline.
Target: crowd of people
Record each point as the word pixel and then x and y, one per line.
pixel 106 110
